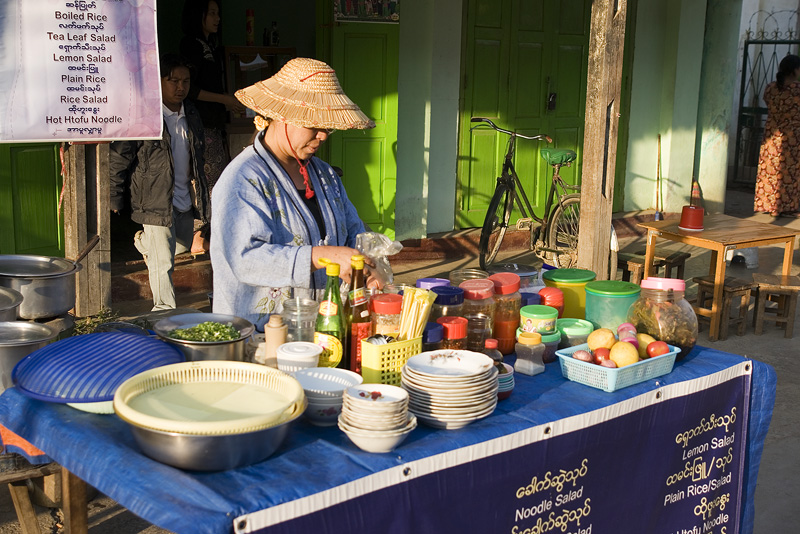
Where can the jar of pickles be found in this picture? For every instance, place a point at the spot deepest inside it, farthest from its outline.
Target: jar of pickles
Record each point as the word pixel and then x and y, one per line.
pixel 506 314
pixel 385 314
pixel 449 302
pixel 479 298
pixel 663 313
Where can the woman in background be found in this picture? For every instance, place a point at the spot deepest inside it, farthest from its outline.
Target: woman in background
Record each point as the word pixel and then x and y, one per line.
pixel 778 180
pixel 200 22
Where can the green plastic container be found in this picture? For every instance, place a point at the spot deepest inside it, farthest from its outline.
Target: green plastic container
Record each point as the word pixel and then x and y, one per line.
pixel 572 283
pixel 607 302
pixel 573 331
pixel 538 318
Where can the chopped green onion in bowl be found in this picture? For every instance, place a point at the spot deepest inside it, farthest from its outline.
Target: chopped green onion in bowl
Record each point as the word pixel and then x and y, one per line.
pixel 206 332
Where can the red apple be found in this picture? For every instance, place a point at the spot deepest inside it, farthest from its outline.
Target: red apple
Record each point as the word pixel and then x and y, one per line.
pixel 657 348
pixel 601 354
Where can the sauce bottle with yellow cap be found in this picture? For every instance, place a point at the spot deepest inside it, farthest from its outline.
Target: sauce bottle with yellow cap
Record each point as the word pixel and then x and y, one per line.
pixel 330 330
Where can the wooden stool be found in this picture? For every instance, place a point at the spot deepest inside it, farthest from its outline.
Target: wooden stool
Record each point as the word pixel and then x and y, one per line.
pixel 632 266
pixel 780 289
pixel 672 260
pixel 733 288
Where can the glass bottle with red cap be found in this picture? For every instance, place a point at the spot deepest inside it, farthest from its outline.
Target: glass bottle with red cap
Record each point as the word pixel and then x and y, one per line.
pixel 455 332
pixel 479 298
pixel 506 316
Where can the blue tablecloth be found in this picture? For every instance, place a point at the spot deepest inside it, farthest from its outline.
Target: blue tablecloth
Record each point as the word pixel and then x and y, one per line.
pixel 101 449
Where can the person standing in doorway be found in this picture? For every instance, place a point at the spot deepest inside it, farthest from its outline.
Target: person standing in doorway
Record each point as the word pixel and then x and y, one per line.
pixel 201 46
pixel 168 189
pixel 778 179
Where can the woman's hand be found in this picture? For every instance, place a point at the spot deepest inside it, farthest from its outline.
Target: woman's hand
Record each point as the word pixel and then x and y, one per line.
pixel 232 104
pixel 340 255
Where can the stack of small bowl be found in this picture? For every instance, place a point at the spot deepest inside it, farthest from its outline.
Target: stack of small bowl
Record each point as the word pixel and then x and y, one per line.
pixel 375 416
pixel 324 388
pixel 505 382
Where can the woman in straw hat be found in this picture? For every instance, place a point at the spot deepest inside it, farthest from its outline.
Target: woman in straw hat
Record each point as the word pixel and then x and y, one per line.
pixel 278 209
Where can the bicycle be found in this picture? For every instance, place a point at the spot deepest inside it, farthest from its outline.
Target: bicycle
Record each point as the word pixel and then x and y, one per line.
pixel 555 238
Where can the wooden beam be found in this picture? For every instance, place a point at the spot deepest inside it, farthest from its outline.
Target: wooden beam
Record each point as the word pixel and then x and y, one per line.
pixel 603 94
pixel 74 503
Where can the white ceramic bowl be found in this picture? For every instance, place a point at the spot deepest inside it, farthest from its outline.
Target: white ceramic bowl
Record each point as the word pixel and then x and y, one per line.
pixel 297 355
pixel 324 414
pixel 378 442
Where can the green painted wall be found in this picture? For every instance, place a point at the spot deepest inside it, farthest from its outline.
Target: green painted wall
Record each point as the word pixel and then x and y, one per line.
pixel 427 137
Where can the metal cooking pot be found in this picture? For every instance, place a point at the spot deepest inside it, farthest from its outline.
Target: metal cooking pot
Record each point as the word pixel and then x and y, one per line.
pixel 9 304
pixel 17 340
pixel 47 284
pixel 201 351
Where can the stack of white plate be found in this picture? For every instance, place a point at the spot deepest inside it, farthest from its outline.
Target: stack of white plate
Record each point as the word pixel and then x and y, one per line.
pixel 450 388
pixel 505 382
pixel 375 416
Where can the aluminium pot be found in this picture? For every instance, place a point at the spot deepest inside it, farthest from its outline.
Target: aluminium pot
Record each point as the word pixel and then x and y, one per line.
pixel 9 304
pixel 212 350
pixel 47 284
pixel 17 340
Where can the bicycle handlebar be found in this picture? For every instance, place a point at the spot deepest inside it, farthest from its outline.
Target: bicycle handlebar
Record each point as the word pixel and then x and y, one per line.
pixel 489 123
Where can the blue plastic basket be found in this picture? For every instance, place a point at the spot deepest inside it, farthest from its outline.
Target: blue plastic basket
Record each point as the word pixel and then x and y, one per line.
pixel 608 378
pixel 89 368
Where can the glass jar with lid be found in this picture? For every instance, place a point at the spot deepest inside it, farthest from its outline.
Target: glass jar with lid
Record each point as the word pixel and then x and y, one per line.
pixel 449 302
pixel 385 314
pixel 479 298
pixel 506 315
pixel 300 315
pixel 662 312
pixel 460 275
pixel 478 331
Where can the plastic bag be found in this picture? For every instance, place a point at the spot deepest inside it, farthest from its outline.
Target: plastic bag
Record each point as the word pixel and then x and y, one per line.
pixel 379 247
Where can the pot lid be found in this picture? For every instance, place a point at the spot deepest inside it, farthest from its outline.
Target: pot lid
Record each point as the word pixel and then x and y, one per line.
pixel 89 368
pixel 9 298
pixel 24 333
pixel 24 266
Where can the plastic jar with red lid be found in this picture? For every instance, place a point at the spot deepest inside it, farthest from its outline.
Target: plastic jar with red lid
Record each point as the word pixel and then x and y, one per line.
pixel 663 313
pixel 506 315
pixel 553 297
pixel 385 313
pixel 455 332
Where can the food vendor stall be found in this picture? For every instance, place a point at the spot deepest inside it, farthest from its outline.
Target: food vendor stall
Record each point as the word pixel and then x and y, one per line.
pixel 667 455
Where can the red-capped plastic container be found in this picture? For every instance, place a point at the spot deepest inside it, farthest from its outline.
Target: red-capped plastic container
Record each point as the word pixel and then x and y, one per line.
pixel 455 332
pixel 662 312
pixel 385 313
pixel 553 297
pixel 506 315
pixel 479 298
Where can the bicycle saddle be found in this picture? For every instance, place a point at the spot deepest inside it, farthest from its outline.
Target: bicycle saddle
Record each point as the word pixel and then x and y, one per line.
pixel 558 156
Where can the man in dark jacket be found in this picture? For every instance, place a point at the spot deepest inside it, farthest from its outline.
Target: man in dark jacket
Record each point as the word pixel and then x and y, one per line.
pixel 167 183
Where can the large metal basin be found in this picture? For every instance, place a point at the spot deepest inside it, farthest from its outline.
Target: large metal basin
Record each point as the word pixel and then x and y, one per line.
pixel 200 351
pixel 47 284
pixel 9 304
pixel 17 340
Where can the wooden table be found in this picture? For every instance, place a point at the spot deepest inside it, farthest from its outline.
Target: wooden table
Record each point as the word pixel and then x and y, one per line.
pixel 721 233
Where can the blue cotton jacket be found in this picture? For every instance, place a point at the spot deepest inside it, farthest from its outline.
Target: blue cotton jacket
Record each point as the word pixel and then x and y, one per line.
pixel 262 233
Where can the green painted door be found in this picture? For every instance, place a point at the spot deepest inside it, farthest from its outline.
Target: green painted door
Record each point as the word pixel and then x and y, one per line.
pixel 525 68
pixel 365 57
pixel 30 186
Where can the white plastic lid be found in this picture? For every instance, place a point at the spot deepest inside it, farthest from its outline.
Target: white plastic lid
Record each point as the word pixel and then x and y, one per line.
pixel 299 349
pixel 663 284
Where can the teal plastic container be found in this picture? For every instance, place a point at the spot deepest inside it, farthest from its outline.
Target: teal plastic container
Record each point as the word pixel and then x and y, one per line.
pixel 607 302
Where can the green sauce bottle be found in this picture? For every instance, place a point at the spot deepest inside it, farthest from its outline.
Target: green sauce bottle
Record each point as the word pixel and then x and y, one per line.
pixel 331 327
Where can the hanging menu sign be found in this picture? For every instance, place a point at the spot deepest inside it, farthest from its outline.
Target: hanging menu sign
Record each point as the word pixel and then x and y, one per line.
pixel 79 71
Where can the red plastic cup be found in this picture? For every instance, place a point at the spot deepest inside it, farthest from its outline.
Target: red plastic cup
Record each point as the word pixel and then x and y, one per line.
pixel 691 218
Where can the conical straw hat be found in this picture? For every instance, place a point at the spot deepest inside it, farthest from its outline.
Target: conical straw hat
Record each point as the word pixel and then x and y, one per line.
pixel 306 93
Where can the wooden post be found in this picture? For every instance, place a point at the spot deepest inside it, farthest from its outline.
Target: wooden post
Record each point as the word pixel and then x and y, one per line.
pixel 604 87
pixel 86 214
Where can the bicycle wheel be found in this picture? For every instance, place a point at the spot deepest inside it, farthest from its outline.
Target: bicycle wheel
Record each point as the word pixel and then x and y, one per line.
pixel 562 232
pixel 495 224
